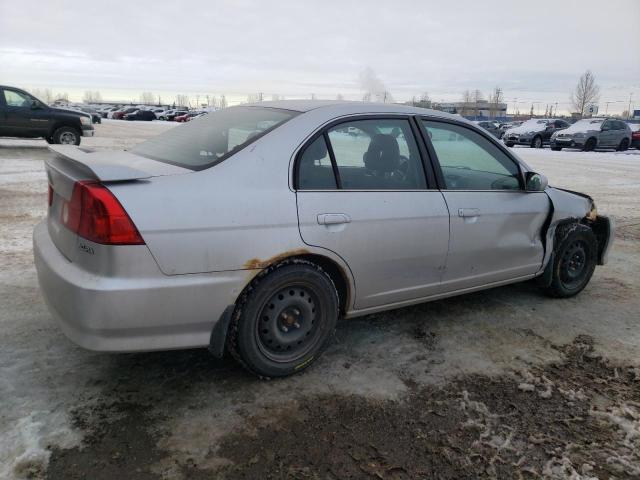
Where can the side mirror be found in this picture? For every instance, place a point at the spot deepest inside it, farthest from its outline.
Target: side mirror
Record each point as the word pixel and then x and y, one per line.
pixel 35 105
pixel 535 182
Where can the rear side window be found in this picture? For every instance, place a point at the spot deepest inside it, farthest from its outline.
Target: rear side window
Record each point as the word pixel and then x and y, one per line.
pixel 315 171
pixel 208 140
pixel 379 154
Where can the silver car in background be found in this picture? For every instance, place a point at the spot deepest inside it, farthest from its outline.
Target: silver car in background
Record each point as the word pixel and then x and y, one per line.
pixel 534 133
pixel 591 133
pixel 254 228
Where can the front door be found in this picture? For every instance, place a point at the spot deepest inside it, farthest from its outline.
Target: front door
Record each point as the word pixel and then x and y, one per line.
pixel 362 193
pixel 25 116
pixel 495 224
pixel 608 134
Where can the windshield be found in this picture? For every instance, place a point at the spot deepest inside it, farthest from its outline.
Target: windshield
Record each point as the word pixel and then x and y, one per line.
pixel 209 139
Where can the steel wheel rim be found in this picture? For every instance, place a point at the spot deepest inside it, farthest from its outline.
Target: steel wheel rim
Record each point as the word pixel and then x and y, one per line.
pixel 573 265
pixel 289 325
pixel 537 142
pixel 68 138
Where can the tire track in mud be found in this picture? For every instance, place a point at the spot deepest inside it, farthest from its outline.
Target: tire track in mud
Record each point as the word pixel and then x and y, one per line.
pixel 579 416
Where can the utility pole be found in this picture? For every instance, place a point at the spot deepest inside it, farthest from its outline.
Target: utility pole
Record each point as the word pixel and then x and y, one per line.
pixel 629 109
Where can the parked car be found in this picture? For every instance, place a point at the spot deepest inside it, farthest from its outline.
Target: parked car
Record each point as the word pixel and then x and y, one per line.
pixel 106 111
pixel 158 112
pixel 119 115
pixel 635 135
pixel 175 113
pixel 249 229
pixel 95 116
pixel 146 115
pixel 506 126
pixel 590 133
pixel 23 115
pixel 492 127
pixel 534 133
pixel 187 116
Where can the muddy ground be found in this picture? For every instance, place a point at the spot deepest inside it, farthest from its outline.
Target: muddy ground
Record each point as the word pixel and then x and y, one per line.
pixel 498 384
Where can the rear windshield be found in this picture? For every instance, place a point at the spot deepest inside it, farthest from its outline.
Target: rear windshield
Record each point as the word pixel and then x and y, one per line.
pixel 207 140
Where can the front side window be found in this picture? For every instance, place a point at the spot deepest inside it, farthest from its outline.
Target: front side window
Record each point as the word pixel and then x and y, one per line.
pixel 17 99
pixel 469 161
pixel 379 154
pixel 210 139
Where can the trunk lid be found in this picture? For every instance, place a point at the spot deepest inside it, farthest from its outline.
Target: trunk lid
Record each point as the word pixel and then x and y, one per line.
pixel 72 164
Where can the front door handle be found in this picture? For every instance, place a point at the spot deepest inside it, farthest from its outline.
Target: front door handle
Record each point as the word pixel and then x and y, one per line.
pixel 468 212
pixel 333 218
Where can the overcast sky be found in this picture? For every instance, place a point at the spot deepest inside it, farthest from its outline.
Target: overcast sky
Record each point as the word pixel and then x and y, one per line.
pixel 534 50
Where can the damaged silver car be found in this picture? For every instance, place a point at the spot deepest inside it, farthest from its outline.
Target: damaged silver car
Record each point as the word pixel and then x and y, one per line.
pixel 255 228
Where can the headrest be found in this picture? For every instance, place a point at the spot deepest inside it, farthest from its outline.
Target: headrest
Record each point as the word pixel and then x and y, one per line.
pixel 383 154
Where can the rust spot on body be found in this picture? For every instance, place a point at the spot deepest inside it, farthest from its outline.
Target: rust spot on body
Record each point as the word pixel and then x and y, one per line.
pixel 257 264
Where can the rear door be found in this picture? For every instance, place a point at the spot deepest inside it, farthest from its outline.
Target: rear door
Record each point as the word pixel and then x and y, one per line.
pixel 362 193
pixel 495 224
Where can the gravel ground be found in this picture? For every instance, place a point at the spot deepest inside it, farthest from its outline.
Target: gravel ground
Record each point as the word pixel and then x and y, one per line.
pixel 498 384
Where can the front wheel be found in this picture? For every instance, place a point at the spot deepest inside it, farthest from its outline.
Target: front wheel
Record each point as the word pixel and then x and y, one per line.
pixel 284 320
pixel 556 149
pixel 510 144
pixel 66 136
pixel 536 142
pixel 590 145
pixel 575 258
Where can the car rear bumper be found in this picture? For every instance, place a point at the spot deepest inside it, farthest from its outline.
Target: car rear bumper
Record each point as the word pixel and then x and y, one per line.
pixel 120 313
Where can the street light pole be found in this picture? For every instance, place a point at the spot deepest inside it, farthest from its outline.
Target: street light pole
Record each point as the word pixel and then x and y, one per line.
pixel 629 109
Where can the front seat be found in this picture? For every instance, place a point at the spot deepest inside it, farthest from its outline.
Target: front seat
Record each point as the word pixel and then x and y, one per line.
pixel 382 160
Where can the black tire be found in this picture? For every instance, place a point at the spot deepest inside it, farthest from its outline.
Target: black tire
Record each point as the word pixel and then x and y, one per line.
pixel 510 144
pixel 284 319
pixel 66 136
pixel 556 149
pixel 575 259
pixel 537 142
pixel 624 145
pixel 590 145
pixel 49 140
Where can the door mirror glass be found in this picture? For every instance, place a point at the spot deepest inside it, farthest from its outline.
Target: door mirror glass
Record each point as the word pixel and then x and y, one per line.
pixel 36 105
pixel 536 182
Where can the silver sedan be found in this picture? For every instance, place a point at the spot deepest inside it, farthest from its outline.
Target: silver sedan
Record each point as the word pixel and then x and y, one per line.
pixel 255 228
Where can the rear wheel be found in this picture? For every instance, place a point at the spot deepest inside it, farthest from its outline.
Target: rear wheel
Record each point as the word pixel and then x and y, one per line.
pixel 574 261
pixel 624 144
pixel 66 136
pixel 556 149
pixel 590 145
pixel 510 144
pixel 284 320
pixel 536 142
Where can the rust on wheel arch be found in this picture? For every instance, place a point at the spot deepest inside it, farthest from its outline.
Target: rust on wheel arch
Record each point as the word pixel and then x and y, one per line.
pixel 257 264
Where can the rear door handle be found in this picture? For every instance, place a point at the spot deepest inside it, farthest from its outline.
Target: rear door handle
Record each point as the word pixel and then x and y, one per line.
pixel 333 218
pixel 468 212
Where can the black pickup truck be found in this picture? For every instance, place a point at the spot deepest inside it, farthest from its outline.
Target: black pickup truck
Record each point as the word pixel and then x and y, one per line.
pixel 23 115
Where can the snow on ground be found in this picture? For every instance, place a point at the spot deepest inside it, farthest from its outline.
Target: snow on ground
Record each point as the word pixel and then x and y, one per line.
pixel 45 379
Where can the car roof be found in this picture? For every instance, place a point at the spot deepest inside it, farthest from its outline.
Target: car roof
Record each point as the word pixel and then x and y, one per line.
pixel 345 107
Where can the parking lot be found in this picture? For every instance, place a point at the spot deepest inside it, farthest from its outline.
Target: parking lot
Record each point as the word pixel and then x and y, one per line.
pixel 504 383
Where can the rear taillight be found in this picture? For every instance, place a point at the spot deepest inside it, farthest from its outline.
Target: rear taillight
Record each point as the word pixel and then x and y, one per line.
pixel 94 213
